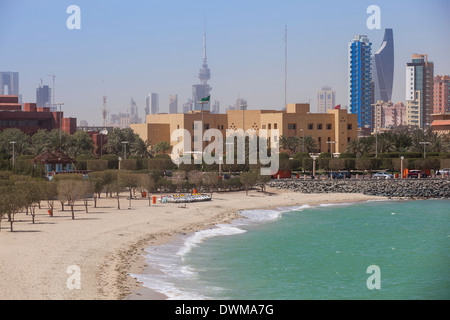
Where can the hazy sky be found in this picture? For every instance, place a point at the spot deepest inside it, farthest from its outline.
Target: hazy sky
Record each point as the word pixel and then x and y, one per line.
pixel 130 48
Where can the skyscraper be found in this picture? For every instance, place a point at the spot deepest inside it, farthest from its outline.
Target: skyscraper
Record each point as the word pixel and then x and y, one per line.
pixel 325 99
pixel 360 93
pixel 134 113
pixel 202 90
pixel 187 106
pixel 152 104
pixel 441 94
pixel 215 107
pixel 419 91
pixel 43 96
pixel 383 67
pixel 173 104
pixel 9 83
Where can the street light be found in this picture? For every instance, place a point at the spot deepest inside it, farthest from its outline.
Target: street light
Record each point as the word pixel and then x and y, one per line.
pixel 424 143
pixel 331 147
pixel 314 165
pixel 125 149
pixel 60 124
pixel 401 165
pixel 13 157
pixel 303 140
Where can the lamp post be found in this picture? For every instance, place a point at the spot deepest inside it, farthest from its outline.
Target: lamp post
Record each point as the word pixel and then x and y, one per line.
pixel 303 140
pixel 13 155
pixel 401 166
pixel 424 143
pixel 60 125
pixel 332 142
pixel 314 166
pixel 125 149
pixel 376 141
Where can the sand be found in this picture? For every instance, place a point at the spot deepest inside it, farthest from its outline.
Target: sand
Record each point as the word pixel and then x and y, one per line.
pixel 107 244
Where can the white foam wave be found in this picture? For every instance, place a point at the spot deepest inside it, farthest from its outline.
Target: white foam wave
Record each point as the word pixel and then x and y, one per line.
pixel 177 280
pixel 200 236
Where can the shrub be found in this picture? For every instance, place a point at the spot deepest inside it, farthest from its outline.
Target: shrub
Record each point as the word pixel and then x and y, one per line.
pixel 97 165
pixel 410 155
pixel 390 155
pixel 113 161
pixel 128 164
pixel 307 164
pixel 295 164
pixel 347 155
pixel 324 163
pixel 337 164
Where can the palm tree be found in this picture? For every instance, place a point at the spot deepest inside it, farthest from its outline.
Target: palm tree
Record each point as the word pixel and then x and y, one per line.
pixel 309 144
pixel 141 148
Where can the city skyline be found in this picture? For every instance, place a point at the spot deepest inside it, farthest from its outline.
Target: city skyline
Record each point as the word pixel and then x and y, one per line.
pixel 245 49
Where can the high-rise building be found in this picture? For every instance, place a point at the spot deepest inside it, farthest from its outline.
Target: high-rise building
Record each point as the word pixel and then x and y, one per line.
pixel 152 104
pixel 173 103
pixel 134 112
pixel 441 93
pixel 360 93
pixel 383 68
pixel 325 99
pixel 187 106
pixel 215 107
pixel 43 96
pixel 386 115
pixel 9 83
pixel 202 90
pixel 419 90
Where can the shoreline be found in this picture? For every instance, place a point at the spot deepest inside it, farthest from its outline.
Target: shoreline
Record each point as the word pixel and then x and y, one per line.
pixel 108 244
pixel 141 292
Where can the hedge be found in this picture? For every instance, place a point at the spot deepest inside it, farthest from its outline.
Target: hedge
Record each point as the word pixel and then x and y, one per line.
pixel 97 165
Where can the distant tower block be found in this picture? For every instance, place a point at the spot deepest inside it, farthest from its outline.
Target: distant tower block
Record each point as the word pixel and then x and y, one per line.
pixel 105 111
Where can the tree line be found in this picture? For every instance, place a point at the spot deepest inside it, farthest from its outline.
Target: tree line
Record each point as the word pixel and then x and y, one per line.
pixel 20 193
pixel 402 139
pixel 80 143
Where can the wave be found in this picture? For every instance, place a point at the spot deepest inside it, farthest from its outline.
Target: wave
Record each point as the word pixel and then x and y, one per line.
pixel 174 278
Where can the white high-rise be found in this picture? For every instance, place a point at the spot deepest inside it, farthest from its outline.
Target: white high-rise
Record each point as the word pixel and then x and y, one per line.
pixel 152 103
pixel 325 99
pixel 173 103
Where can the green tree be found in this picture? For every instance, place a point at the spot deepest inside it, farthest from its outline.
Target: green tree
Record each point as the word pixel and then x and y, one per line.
pixel 115 139
pixel 147 183
pixel 79 143
pixel 248 180
pixel 310 144
pixel 141 148
pixel 71 190
pixel 21 145
pixel 162 147
pixel 130 181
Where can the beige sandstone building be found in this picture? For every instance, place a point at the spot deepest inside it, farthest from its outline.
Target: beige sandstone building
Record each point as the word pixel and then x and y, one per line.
pixel 335 125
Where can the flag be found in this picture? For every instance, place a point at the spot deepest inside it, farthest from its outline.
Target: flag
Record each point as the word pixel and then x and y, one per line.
pixel 206 99
pixel 338 107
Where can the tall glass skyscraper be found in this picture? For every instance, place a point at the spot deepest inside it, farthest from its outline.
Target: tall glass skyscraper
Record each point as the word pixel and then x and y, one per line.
pixel 360 91
pixel 419 91
pixel 9 83
pixel 383 61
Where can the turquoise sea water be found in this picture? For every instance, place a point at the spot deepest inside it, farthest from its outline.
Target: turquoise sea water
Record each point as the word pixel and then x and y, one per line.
pixel 320 252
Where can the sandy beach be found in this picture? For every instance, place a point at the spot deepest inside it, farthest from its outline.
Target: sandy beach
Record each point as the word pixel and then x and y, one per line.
pixel 107 244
